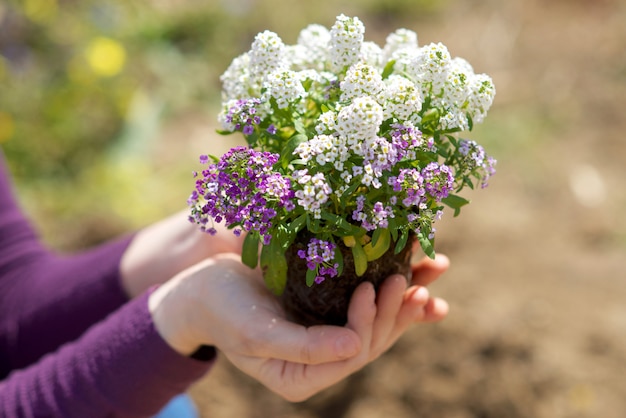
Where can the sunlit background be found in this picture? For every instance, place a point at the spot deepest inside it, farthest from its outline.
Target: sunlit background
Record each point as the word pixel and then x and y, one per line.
pixel 105 106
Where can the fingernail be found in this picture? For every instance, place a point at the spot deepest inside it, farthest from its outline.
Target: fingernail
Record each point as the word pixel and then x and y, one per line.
pixel 346 347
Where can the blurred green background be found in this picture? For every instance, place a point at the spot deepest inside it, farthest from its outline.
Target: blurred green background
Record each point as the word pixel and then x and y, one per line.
pixel 90 87
pixel 105 106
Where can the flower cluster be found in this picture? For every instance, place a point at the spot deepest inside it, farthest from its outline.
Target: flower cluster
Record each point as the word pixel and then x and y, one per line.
pixel 242 190
pixel 320 260
pixel 346 139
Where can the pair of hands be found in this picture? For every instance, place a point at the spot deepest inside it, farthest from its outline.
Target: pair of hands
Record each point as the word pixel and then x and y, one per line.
pixel 218 301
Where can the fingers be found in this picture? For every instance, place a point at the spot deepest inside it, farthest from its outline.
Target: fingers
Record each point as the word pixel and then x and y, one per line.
pixel 362 312
pixel 297 382
pixel 435 310
pixel 415 305
pixel 389 302
pixel 428 270
pixel 277 338
pixel 412 304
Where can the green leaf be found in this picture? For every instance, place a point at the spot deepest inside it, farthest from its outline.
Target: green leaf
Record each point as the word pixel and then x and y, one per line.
pixel 250 250
pixel 388 69
pixel 224 132
pixel 381 241
pixel 393 229
pixel 313 225
pixel 297 224
pixel 360 259
pixel 349 191
pixel 401 243
pixel 430 116
pixel 455 202
pixel 339 261
pixel 310 277
pixel 290 147
pixel 299 126
pixel 339 221
pixel 298 161
pixel 427 245
pixel 274 266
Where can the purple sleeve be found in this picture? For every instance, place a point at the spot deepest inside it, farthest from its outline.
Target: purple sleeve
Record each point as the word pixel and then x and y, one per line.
pixel 70 341
pixel 47 299
pixel 121 367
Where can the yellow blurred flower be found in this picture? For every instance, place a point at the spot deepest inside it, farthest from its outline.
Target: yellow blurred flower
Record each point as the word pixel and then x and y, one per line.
pixel 105 56
pixel 7 127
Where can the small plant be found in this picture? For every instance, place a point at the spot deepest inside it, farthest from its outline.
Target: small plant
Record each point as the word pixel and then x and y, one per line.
pixel 350 144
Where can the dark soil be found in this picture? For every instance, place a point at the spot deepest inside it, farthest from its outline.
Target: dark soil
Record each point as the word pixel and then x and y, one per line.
pixel 327 302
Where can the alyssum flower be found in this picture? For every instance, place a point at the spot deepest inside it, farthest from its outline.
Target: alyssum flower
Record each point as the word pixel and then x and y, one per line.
pixel 349 142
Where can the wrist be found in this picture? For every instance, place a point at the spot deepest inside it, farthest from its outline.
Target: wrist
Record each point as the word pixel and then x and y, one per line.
pixel 168 311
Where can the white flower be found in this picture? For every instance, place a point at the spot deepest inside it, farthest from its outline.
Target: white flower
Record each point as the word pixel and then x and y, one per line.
pixel 326 149
pixel 456 92
pixel 405 59
pixel 346 37
pixel 314 42
pixel 359 121
pixel 430 70
pixel 368 175
pixel 400 39
pixel 326 123
pixel 314 193
pixel 361 80
pixel 401 98
pixel 297 57
pixel 481 97
pixel 285 87
pixel 457 86
pixel 371 54
pixel 236 81
pixel 266 54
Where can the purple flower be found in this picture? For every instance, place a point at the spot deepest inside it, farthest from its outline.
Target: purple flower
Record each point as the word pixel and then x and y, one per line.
pixel 438 180
pixel 489 170
pixel 242 190
pixel 243 115
pixel 319 257
pixel 248 129
pixel 406 137
pixel 476 161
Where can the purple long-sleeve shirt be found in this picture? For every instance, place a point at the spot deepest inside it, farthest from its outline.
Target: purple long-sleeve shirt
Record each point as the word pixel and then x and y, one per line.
pixel 71 343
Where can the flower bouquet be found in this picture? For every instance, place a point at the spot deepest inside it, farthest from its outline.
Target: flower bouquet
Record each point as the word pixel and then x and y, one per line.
pixel 353 151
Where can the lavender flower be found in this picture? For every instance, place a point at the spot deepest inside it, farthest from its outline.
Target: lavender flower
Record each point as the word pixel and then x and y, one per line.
pixel 243 115
pixel 438 180
pixel 242 190
pixel 475 161
pixel 320 256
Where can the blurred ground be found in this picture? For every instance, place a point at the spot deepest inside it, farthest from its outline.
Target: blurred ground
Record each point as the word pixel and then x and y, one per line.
pixel 537 327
